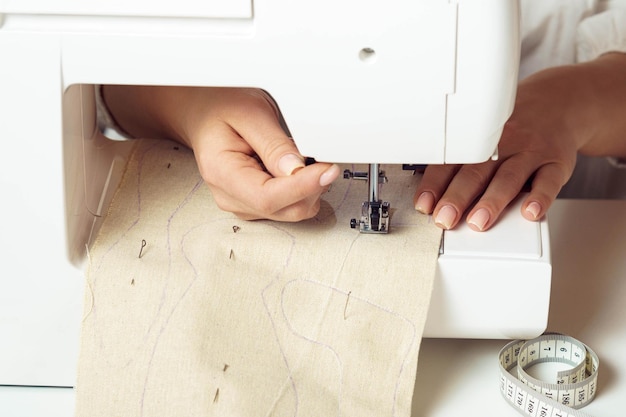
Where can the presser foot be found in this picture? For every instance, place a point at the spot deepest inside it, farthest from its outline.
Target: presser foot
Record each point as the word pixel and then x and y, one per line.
pixel 374 217
pixel 374 212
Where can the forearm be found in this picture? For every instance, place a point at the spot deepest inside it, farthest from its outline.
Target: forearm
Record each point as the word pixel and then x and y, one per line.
pixel 608 98
pixel 155 112
pixel 586 104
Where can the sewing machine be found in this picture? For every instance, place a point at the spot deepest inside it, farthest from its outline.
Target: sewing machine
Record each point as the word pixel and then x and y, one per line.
pixel 406 81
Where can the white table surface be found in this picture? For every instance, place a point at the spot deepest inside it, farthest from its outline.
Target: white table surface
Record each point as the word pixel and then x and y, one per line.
pixel 460 377
pixel 588 302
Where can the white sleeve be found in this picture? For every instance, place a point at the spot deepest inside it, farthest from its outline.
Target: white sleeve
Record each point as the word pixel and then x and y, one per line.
pixel 617 162
pixel 106 122
pixel 601 33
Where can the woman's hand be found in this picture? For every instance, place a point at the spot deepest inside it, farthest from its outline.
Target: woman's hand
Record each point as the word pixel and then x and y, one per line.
pixel 558 112
pixel 251 166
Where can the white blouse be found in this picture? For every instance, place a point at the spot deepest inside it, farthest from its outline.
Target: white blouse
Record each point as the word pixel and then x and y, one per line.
pixel 559 32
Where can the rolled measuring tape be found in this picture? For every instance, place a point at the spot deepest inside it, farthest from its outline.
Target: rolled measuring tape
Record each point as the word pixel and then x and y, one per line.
pixel 575 387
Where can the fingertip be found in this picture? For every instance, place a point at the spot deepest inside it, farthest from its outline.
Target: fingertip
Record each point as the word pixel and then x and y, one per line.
pixel 425 202
pixel 330 175
pixel 479 220
pixel 532 211
pixel 290 163
pixel 446 217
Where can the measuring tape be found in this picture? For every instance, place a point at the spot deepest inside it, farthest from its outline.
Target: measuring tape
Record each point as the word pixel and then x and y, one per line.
pixel 574 389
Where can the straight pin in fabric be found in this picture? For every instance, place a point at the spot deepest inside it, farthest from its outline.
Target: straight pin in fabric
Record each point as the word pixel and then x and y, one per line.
pixel 217 395
pixel 236 228
pixel 345 308
pixel 143 245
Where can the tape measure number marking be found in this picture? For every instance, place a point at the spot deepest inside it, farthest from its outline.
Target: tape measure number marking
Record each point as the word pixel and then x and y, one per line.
pixel 575 386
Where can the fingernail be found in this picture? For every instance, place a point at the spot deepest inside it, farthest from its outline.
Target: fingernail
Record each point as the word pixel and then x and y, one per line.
pixel 446 216
pixel 479 219
pixel 425 202
pixel 329 175
pixel 289 163
pixel 534 209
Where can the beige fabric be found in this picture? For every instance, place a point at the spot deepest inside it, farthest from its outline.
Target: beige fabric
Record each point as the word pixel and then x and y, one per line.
pixel 222 317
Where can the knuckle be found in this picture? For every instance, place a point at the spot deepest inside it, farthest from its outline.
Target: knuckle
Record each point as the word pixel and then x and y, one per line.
pixel 302 211
pixel 511 177
pixel 265 206
pixel 273 149
pixel 475 175
pixel 223 203
pixel 258 101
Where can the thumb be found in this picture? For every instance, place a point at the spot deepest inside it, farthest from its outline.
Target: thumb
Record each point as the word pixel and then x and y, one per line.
pixel 279 154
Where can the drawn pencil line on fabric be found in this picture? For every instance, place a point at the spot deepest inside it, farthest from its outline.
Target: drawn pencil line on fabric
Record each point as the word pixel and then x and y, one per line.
pixel 109 251
pixel 266 304
pixel 173 295
pixel 176 302
pixel 141 158
pixel 412 331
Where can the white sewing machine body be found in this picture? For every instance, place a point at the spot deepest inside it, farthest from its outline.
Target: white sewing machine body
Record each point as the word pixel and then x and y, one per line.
pixel 350 86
